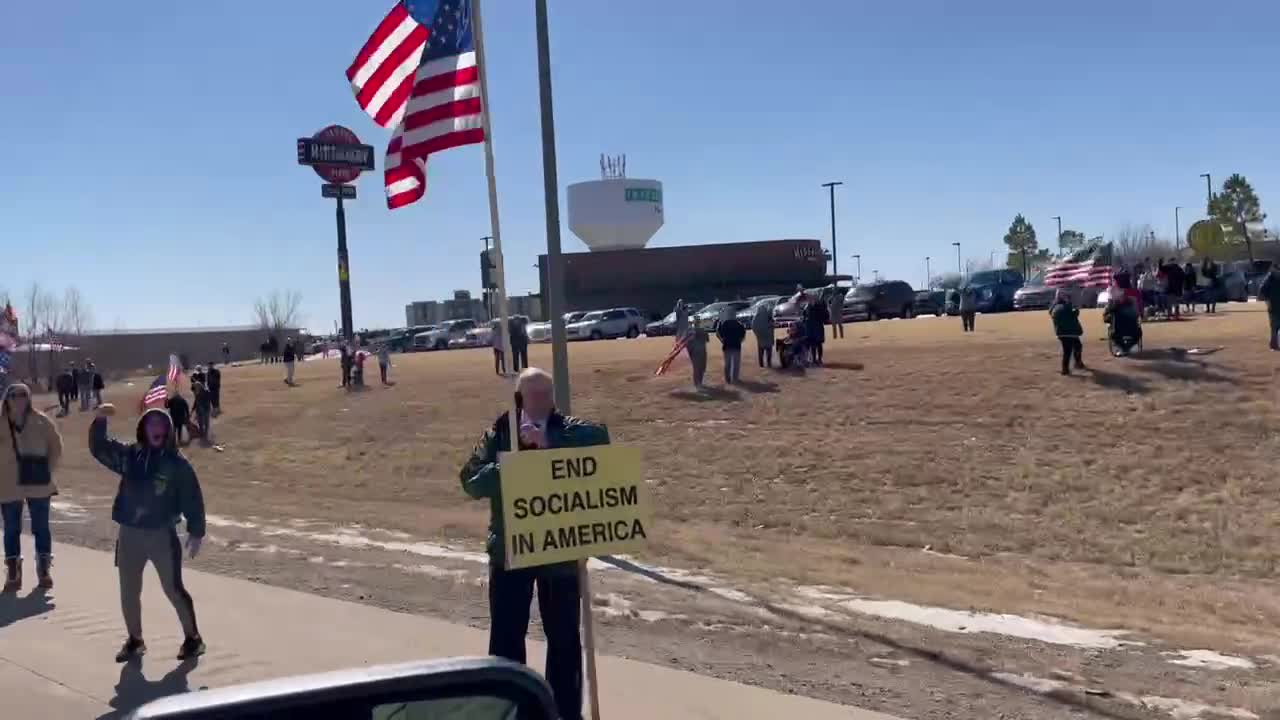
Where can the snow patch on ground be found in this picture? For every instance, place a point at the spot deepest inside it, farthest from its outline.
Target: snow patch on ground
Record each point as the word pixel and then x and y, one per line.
pixel 1210 659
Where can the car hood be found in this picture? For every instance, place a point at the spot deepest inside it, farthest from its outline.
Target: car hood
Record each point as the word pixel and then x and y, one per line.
pixel 1034 290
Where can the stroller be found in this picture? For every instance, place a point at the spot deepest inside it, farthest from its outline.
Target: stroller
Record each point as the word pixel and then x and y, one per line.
pixel 1124 331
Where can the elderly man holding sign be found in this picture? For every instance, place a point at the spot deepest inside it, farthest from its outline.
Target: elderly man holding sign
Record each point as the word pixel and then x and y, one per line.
pixel 511 590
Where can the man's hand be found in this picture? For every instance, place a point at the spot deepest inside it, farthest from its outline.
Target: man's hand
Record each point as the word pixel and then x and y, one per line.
pixel 533 436
pixel 106 410
pixel 193 546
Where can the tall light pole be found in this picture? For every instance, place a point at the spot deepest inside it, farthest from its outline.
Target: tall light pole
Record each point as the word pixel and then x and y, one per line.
pixel 1208 187
pixel 1177 228
pixel 928 275
pixel 859 259
pixel 1059 219
pixel 959 265
pixel 835 258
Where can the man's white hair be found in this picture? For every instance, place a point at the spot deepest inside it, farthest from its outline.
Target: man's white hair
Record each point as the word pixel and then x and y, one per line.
pixel 531 373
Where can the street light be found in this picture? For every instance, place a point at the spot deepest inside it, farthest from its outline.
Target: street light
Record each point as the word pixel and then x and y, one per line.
pixel 858 279
pixel 928 276
pixel 1208 186
pixel 835 259
pixel 1177 228
pixel 959 265
pixel 1059 219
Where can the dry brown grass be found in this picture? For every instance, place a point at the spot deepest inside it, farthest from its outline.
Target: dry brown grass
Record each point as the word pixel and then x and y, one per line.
pixel 1141 493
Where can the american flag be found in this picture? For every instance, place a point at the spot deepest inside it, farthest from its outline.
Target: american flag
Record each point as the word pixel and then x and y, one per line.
pixel 158 394
pixel 1088 267
pixel 681 343
pixel 175 369
pixel 419 74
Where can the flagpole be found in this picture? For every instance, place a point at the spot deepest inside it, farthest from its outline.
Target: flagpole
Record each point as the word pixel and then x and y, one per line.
pixel 499 262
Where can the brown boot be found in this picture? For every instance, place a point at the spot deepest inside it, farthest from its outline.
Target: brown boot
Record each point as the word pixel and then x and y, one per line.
pixel 44 564
pixel 12 574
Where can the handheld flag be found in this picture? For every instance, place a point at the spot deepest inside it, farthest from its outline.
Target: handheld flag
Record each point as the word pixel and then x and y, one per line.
pixel 156 395
pixel 419 74
pixel 681 343
pixel 1088 267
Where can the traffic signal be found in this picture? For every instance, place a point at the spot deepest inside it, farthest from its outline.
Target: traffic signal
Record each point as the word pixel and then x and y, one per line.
pixel 486 267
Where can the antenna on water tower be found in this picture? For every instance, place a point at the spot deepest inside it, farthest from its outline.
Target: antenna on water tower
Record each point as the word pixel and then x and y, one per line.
pixel 613 167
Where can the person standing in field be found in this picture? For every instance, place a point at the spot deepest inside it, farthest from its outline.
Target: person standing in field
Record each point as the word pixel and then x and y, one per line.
pixel 519 334
pixel 1210 271
pixel 499 357
pixel 213 381
pixel 835 313
pixel 226 354
pixel 203 407
pixel 26 478
pixel 384 362
pixel 682 318
pixel 179 415
pixel 75 382
pixel 762 326
pixel 98 385
pixel 731 333
pixel 84 386
pixel 157 487
pixel 968 307
pixel 511 592
pixel 1269 292
pixel 1066 325
pixel 66 383
pixel 1189 284
pixel 290 359
pixel 696 349
pixel 344 360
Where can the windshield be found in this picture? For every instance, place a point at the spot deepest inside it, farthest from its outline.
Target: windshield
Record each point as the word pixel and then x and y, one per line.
pixel 862 292
pixel 987 277
pixel 592 316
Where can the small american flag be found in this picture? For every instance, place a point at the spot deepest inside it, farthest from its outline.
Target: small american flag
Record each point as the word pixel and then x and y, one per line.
pixel 419 73
pixel 1088 267
pixel 681 343
pixel 175 369
pixel 156 395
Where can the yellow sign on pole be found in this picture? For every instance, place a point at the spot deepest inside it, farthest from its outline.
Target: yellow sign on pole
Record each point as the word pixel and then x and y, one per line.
pixel 573 503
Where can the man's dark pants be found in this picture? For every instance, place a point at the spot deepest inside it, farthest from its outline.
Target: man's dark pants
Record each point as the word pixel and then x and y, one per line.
pixel 519 357
pixel 1273 314
pixel 559 602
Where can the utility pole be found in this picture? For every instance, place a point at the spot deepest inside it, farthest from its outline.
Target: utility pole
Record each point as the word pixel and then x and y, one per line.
pixel 858 278
pixel 835 258
pixel 1177 229
pixel 928 276
pixel 959 265
pixel 1208 186
pixel 344 274
pixel 1059 219
pixel 555 265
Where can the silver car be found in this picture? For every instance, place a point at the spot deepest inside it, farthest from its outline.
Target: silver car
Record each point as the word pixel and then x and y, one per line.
pixel 601 324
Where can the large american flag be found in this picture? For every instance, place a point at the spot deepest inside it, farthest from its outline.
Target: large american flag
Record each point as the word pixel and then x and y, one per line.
pixel 1089 267
pixel 418 73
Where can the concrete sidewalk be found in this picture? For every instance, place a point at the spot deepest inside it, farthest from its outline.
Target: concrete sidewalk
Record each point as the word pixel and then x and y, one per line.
pixel 56 651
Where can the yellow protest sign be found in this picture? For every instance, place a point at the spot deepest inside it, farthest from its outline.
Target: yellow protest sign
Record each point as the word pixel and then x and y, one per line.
pixel 573 503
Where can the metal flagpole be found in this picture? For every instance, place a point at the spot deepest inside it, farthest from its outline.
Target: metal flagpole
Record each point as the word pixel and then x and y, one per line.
pixel 555 308
pixel 499 263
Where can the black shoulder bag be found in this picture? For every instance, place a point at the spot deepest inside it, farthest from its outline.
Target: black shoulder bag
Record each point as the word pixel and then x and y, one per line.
pixel 32 469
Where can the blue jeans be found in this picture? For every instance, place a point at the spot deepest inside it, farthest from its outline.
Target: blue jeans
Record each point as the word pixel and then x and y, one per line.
pixel 12 512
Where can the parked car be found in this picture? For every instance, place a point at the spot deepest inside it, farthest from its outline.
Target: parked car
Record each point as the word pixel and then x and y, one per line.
pixel 709 316
pixel 891 298
pixel 601 324
pixel 952 304
pixel 440 337
pixel 667 325
pixel 994 289
pixel 788 310
pixel 748 313
pixel 930 302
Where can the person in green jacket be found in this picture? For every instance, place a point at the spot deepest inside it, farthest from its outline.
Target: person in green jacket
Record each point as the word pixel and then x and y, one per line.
pixel 1066 325
pixel 541 426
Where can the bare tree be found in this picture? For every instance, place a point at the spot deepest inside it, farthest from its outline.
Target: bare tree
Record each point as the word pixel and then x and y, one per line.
pixel 76 313
pixel 279 311
pixel 1138 242
pixel 42 314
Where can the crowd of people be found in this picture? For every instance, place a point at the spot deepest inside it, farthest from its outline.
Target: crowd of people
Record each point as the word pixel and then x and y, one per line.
pixel 79 384
pixel 518 331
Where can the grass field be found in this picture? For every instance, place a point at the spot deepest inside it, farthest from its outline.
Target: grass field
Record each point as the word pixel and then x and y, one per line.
pixel 1138 494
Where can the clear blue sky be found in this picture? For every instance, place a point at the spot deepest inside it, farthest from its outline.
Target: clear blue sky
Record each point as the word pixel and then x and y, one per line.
pixel 150 160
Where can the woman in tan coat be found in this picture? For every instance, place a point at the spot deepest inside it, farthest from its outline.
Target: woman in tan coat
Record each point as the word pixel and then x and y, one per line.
pixel 26 478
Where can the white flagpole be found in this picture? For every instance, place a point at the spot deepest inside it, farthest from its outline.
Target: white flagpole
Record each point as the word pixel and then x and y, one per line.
pixel 499 262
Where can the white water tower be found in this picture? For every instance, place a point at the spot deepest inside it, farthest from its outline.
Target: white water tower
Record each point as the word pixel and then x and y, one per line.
pixel 615 212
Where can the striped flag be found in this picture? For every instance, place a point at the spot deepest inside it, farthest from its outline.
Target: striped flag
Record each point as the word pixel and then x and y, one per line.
pixel 1088 267
pixel 156 395
pixel 681 343
pixel 175 370
pixel 419 74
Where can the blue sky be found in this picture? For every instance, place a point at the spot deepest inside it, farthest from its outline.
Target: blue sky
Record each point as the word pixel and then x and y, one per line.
pixel 150 157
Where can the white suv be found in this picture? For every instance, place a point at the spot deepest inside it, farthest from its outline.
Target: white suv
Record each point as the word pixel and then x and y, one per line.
pixel 438 339
pixel 600 324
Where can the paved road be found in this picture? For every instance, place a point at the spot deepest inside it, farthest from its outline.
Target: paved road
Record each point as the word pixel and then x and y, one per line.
pixel 56 650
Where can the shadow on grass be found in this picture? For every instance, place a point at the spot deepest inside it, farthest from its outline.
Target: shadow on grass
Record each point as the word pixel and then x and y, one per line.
pixel 843 365
pixel 1190 371
pixel 708 394
pixel 1118 381
pixel 925 654
pixel 757 388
